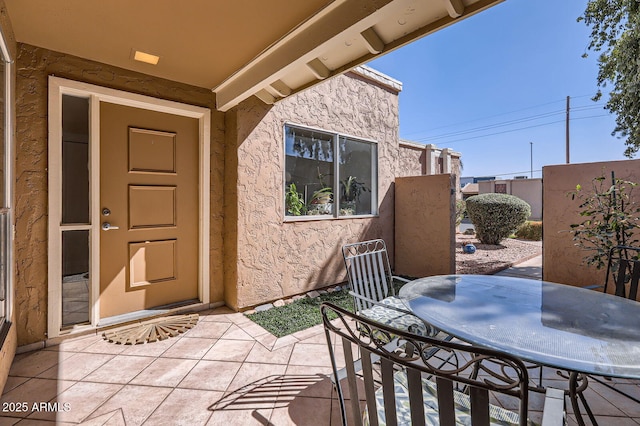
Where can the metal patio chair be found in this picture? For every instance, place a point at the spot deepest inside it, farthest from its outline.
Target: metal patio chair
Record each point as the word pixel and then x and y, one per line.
pixel 411 388
pixel 623 271
pixel 372 287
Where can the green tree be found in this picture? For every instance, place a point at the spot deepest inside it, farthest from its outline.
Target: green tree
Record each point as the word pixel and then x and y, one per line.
pixel 615 33
pixel 610 217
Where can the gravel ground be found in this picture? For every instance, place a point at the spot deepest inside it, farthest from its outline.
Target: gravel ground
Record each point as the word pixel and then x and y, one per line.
pixel 489 259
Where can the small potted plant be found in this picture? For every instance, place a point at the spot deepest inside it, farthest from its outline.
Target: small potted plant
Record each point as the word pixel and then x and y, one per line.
pixel 294 201
pixel 322 201
pixel 351 190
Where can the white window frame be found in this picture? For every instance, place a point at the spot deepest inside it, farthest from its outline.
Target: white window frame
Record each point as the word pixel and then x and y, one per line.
pixel 336 164
pixel 7 306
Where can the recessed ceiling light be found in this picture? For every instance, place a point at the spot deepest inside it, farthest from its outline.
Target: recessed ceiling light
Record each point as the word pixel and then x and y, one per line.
pixel 146 57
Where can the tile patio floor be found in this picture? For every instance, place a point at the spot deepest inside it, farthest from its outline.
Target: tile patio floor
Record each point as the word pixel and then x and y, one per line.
pixel 225 371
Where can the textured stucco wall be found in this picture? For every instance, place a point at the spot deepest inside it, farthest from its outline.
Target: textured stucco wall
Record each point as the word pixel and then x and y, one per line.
pixel 411 161
pixel 456 170
pixel 34 65
pixel 274 258
pixel 561 259
pixel 425 225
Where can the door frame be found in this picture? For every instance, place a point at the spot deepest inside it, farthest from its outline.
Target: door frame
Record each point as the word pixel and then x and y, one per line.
pixel 96 94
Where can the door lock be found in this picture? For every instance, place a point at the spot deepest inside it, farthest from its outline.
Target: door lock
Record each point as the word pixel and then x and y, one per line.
pixel 106 226
pixel 106 212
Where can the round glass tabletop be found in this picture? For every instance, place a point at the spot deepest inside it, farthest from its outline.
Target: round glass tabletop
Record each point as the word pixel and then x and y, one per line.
pixel 546 323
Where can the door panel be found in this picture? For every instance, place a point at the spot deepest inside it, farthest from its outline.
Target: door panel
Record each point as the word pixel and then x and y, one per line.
pixel 151 262
pixel 149 184
pixel 142 142
pixel 152 206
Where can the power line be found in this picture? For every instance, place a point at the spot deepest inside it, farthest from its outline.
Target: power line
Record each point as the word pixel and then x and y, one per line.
pixel 498 115
pixel 517 173
pixel 505 123
pixel 523 128
pixel 492 126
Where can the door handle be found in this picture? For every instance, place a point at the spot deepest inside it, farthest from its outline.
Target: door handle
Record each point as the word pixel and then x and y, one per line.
pixel 106 226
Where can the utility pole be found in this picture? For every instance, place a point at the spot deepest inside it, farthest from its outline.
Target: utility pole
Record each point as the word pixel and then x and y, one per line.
pixel 531 143
pixel 567 128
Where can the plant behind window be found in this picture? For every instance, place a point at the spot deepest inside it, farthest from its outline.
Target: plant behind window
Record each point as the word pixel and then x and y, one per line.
pixel 294 201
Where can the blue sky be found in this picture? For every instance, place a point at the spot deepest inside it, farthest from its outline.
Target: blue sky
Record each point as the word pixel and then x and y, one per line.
pixel 513 63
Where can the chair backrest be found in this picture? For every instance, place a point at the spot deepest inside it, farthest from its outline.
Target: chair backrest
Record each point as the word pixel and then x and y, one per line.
pixel 368 271
pixel 623 270
pixel 407 384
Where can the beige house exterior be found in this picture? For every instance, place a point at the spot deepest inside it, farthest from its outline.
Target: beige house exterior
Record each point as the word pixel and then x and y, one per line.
pixel 278 256
pixel 234 78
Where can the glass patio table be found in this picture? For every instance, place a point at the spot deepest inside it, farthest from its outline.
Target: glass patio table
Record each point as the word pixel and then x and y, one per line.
pixel 556 325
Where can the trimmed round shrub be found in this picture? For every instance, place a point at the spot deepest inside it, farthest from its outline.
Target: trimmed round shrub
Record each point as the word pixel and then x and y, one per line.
pixel 461 211
pixel 530 231
pixel 496 216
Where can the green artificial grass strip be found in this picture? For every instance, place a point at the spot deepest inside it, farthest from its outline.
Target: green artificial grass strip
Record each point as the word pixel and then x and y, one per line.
pixel 303 313
pixel 299 315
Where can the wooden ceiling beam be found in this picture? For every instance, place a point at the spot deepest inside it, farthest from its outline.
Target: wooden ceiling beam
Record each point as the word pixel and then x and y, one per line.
pixel 266 97
pixel 319 69
pixel 303 45
pixel 373 41
pixel 281 88
pixel 455 8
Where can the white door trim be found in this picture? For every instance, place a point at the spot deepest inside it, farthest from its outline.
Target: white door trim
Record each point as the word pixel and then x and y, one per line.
pixel 96 94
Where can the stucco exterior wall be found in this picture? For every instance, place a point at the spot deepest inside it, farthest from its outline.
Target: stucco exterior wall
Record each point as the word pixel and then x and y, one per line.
pixel 415 159
pixel 411 161
pixel 425 226
pixel 34 65
pixel 274 258
pixel 561 259
pixel 456 171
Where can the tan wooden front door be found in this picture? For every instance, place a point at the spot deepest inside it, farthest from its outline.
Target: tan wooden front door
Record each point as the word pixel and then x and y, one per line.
pixel 149 209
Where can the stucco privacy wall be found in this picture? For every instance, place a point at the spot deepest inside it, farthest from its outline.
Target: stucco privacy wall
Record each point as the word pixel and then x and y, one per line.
pixel 274 258
pixel 425 225
pixel 411 159
pixel 416 159
pixel 34 65
pixel 561 259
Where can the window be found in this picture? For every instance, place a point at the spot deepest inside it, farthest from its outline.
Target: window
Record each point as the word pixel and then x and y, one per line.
pixel 75 210
pixel 7 104
pixel 328 174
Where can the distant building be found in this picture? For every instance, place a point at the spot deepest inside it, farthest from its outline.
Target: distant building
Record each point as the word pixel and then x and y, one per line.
pixel 474 179
pixel 469 190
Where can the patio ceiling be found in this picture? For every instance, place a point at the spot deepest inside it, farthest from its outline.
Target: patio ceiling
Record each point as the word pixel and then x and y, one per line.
pixel 235 48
